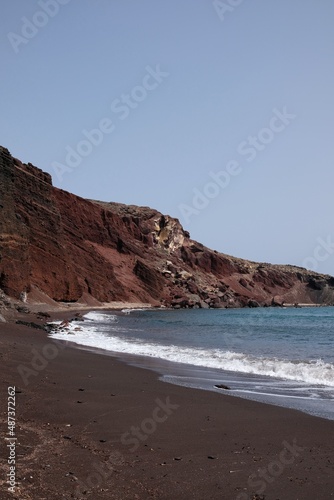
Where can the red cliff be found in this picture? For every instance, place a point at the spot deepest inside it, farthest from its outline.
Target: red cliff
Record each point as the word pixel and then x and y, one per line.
pixel 69 247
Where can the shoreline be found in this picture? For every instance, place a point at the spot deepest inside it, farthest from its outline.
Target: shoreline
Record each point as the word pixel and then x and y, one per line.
pixel 245 385
pixel 170 372
pixel 91 426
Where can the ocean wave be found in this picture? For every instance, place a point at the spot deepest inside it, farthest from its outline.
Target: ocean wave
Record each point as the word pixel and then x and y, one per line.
pixel 312 372
pixel 101 317
pixel 129 311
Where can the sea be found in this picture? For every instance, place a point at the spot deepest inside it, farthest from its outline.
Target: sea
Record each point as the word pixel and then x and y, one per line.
pixel 280 356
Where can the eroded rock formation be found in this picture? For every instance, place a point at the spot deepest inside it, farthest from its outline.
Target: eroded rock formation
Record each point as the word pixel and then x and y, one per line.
pixel 68 248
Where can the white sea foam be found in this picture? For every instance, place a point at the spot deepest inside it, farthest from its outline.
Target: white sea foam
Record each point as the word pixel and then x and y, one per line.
pixel 99 316
pixel 129 311
pixel 90 334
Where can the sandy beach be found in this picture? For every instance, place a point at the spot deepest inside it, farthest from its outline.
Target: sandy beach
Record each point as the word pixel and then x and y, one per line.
pixel 89 426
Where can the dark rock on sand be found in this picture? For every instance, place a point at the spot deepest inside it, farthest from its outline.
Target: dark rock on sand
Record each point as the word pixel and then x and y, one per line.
pixel 253 303
pixel 31 324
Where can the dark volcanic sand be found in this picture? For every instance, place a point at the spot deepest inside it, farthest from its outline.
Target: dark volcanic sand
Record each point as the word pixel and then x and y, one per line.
pixel 207 448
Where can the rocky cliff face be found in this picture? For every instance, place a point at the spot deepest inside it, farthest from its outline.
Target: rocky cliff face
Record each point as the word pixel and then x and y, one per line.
pixel 71 248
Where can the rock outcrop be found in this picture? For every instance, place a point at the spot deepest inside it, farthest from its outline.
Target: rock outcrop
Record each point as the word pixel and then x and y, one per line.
pixel 55 243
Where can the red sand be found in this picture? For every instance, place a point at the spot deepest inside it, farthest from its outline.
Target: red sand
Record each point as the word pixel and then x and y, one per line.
pixel 91 427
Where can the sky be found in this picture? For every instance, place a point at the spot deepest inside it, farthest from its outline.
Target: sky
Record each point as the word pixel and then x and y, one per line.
pixel 218 113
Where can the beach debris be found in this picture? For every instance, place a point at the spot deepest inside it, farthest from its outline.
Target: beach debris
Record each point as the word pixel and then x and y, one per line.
pixel 177 458
pixel 211 457
pixel 79 401
pixel 103 440
pixel 223 386
pixel 81 389
pixel 72 475
pixel 67 437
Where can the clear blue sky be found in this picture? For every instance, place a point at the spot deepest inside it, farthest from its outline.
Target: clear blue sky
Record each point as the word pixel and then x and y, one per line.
pixel 221 78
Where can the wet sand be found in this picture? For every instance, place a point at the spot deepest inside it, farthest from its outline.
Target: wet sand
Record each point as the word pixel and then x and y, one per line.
pixel 89 426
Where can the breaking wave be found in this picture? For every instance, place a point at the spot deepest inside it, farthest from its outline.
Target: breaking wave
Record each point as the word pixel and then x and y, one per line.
pixel 91 334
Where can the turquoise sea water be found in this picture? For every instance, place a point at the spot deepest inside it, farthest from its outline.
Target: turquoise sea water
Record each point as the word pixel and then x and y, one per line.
pixel 279 356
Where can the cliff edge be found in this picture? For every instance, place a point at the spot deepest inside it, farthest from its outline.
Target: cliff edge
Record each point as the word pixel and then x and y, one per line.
pixel 70 248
